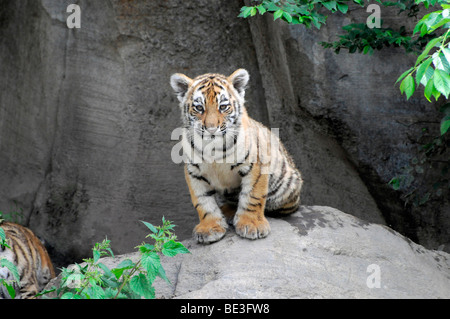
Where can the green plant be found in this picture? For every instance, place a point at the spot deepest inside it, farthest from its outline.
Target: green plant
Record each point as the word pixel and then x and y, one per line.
pixel 430 40
pixel 129 280
pixel 15 281
pixel 359 37
pixel 306 12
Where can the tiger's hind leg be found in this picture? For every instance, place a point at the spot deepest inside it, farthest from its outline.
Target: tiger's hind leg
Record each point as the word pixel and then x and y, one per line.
pixel 284 210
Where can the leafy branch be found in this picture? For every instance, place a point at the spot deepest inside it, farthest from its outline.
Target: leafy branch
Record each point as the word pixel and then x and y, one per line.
pixel 432 67
pixel 359 37
pixel 306 12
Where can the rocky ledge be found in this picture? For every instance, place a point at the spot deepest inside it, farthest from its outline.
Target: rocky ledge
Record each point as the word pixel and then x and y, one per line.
pixel 318 252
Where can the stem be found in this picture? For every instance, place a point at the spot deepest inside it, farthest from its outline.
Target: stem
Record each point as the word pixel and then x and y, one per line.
pixel 127 278
pixel 85 282
pixel 443 42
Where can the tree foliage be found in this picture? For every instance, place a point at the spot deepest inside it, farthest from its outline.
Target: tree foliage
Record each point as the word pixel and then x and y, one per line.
pixel 429 40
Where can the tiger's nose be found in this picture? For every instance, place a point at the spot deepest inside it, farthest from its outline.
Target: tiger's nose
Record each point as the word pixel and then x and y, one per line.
pixel 212 130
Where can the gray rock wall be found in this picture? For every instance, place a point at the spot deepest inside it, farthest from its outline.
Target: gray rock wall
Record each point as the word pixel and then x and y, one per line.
pixel 86 115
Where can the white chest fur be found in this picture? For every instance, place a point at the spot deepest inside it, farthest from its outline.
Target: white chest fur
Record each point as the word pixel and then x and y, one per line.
pixel 221 176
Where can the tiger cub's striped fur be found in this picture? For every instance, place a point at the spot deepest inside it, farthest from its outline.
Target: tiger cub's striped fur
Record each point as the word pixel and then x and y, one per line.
pixel 30 257
pixel 236 168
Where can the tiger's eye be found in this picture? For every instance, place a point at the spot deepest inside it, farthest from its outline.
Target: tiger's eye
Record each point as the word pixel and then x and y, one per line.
pixel 199 108
pixel 223 107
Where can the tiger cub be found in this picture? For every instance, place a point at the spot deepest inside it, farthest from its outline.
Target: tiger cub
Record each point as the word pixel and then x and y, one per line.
pixel 236 169
pixel 30 257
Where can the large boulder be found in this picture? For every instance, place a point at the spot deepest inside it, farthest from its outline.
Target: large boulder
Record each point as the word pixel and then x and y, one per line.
pixel 318 252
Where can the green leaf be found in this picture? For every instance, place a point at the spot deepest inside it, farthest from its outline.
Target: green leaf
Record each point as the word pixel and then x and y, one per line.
pixel 11 267
pixel 342 7
pixel 146 247
pixel 441 82
pixel 162 274
pixel 110 282
pixel 422 70
pixel 277 14
pixel 435 93
pixel 253 11
pixel 111 293
pixel 287 17
pixel 70 295
pixel 418 27
pixel 2 234
pixel 429 87
pixel 151 262
pixel 127 263
pixel 445 124
pixel 446 53
pixel 440 62
pixel 96 292
pixel 423 29
pixel 172 248
pixel 403 75
pixel 408 86
pixel 124 265
pixel 427 49
pixel 141 286
pixel 245 12
pixel 330 5
pixel 105 269
pixel 96 255
pixel 151 227
pixel 437 25
pixel 9 288
pixel 428 75
pixel 395 183
pixel 261 9
pixel 432 18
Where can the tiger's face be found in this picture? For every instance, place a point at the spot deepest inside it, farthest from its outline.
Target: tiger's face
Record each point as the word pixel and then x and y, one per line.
pixel 211 104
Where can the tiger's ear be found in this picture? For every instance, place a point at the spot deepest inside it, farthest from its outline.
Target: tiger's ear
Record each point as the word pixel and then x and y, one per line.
pixel 239 79
pixel 180 84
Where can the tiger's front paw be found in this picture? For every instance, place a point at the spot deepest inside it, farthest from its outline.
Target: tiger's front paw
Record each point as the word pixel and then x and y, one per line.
pixel 210 230
pixel 251 227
